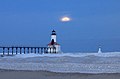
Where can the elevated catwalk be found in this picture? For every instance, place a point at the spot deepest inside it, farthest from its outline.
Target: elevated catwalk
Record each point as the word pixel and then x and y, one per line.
pixel 11 50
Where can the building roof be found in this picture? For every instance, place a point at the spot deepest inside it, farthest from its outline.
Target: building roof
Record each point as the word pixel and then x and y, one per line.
pixel 53 43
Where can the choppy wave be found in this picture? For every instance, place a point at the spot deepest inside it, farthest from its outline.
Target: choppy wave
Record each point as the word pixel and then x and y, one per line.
pixel 107 54
pixel 108 62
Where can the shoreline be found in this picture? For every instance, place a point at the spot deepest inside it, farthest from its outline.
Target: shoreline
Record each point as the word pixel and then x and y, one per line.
pixel 11 70
pixel 28 74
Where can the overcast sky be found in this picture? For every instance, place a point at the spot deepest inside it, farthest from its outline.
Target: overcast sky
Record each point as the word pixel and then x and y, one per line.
pixel 30 22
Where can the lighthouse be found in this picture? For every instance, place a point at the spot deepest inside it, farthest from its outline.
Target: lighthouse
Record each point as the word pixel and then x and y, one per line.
pixel 53 46
pixel 99 50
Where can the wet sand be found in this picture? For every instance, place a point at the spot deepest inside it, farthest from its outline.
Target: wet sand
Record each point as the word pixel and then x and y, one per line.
pixel 11 74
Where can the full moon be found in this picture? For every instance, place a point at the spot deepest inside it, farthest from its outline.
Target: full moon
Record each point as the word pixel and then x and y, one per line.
pixel 65 19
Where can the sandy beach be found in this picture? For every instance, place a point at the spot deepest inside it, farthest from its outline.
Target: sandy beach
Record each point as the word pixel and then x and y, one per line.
pixel 11 74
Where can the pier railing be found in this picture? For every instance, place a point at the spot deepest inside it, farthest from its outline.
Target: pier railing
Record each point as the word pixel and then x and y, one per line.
pixel 11 50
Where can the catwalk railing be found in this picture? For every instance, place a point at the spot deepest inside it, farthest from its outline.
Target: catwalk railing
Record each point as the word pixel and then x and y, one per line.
pixel 11 50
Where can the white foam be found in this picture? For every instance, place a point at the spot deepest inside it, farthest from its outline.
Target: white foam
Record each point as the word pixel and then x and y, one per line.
pixel 107 54
pixel 66 62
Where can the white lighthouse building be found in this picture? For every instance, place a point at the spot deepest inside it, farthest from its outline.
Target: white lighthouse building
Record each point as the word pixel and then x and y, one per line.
pixel 99 50
pixel 53 46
